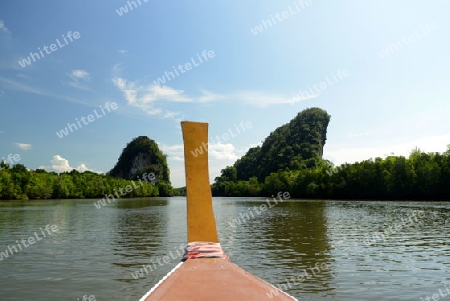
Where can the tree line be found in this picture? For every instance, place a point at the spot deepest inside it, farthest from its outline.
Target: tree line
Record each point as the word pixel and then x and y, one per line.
pixel 421 176
pixel 17 182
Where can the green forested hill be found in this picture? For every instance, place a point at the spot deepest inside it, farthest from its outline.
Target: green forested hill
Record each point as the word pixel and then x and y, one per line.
pixel 295 145
pixel 142 155
pixel 139 156
pixel 290 159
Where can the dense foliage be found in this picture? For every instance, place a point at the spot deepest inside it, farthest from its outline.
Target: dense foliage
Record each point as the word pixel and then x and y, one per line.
pixel 179 191
pixel 290 159
pixel 19 183
pixel 296 145
pixel 421 176
pixel 139 156
pixel 142 155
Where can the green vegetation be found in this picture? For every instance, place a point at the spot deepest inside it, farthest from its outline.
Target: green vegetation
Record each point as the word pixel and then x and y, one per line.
pixel 293 146
pixel 422 176
pixel 141 156
pixel 297 145
pixel 290 159
pixel 179 191
pixel 19 183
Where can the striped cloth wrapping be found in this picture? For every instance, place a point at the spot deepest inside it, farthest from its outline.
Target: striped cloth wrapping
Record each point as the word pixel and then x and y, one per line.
pixel 203 250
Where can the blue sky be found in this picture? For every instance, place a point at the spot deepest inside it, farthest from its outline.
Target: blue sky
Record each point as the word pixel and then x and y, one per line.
pixel 389 102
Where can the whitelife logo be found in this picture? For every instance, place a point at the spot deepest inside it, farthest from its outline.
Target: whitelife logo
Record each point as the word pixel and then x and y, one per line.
pixel 391 48
pixel 160 260
pixel 243 125
pixel 304 95
pixel 187 66
pixel 90 118
pixel 87 298
pixel 35 56
pixel 10 160
pixel 31 240
pixel 244 217
pixel 296 280
pixel 148 178
pixel 124 9
pixel 281 17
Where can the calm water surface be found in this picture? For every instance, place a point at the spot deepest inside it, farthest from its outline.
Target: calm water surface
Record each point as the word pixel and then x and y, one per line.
pixel 333 250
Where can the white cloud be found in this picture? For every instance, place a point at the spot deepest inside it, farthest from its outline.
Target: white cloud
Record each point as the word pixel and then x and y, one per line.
pixel 182 118
pixel 220 156
pixel 79 86
pixel 209 96
pixel 175 152
pixel 263 99
pixel 170 114
pixel 60 164
pixel 79 78
pixel 21 87
pixel 145 97
pixel 24 146
pixel 255 98
pixel 83 74
pixel 167 93
pixel 23 76
pixel 221 151
pixel 175 160
pixel 122 51
pixel 216 151
pixel 17 86
pixel 116 70
pixel 2 26
pixel 82 168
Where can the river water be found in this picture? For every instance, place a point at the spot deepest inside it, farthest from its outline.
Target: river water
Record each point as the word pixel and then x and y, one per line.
pixel 315 250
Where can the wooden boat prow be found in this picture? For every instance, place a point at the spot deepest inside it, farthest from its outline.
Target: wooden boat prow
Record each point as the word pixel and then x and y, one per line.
pixel 214 279
pixel 206 272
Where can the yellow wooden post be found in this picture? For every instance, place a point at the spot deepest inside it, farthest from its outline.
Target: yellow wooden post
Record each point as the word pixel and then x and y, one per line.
pixel 200 214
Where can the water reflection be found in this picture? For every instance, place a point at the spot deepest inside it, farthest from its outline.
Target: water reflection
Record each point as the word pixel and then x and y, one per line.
pixel 140 228
pixel 96 250
pixel 289 239
pixel 146 242
pixel 390 244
